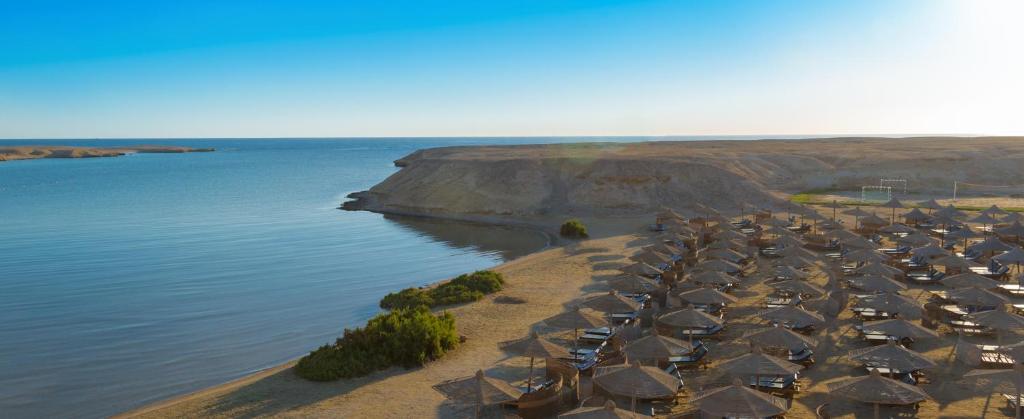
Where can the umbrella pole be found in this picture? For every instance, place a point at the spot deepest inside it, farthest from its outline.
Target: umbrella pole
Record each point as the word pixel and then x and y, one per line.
pixel 529 381
pixel 876 410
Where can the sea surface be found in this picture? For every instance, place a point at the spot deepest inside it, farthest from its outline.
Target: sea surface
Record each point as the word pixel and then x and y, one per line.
pixel 128 280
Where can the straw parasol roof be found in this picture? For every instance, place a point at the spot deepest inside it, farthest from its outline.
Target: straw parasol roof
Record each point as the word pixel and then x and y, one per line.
pixel 1015 229
pixel 963 233
pixel 994 210
pixel 892 203
pixel 706 296
pixel 1015 255
pixel 656 347
pixel 951 212
pixel 632 283
pixel 790 272
pixel 576 318
pixel 944 219
pixel 876 283
pixel 875 268
pixel 642 382
pixel 892 356
pixel 778 231
pixel 874 388
pixel 793 314
pixel 984 218
pixel 873 219
pixel 953 262
pixel 778 337
pixel 788 241
pixel 725 254
pixel 533 346
pixel 479 389
pixel 611 302
pixel 759 363
pixel 865 255
pixel 641 268
pixel 796 251
pixel 915 215
pixel 856 212
pixel 977 297
pixel 729 235
pixel 797 261
pixel 608 411
pixel 900 328
pixel 929 251
pixel 858 243
pixel 737 400
pixel 718 265
pixel 929 204
pixel 726 244
pixel 999 319
pixel 801 287
pixel 969 279
pixel 663 249
pixel 1013 217
pixel 897 228
pixel 915 239
pixel 651 258
pixel 713 277
pixel 892 303
pixel 842 234
pixel 991 244
pixel 689 318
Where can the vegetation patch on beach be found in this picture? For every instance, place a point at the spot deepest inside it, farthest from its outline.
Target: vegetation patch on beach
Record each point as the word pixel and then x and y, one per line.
pixel 463 289
pixel 573 229
pixel 405 337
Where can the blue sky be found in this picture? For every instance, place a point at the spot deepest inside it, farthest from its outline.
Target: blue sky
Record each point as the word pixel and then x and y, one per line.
pixel 73 69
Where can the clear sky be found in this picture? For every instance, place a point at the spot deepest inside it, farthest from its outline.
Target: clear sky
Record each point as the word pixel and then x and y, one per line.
pixel 275 68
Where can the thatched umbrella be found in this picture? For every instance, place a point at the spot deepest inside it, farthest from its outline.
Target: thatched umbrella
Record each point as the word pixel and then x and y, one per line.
pixel 990 245
pixel 929 205
pixel 642 382
pixel 713 278
pixel 969 279
pixel 1014 256
pixel 608 411
pixel 953 262
pixel 915 216
pixel 984 219
pixel 534 347
pixel 876 283
pixel 900 328
pixel 975 296
pixel 688 318
pixel 858 243
pixel 873 220
pixel 877 390
pixel 799 287
pixel 793 315
pixel 915 239
pixel 1015 230
pixel 892 303
pixel 718 265
pixel 778 231
pixel 641 268
pixel 664 249
pixel 897 228
pixel 929 251
pixel 994 210
pixel 865 255
pixel 788 241
pixel 891 356
pixel 612 302
pixel 856 212
pixel 834 205
pixel 706 296
pixel 632 283
pixel 790 272
pixel 656 347
pixel 479 390
pixel 951 212
pixel 994 378
pixel 759 364
pixel 1001 320
pixel 726 255
pixel 651 258
pixel 738 401
pixel 842 234
pixel 576 319
pixel 893 203
pixel 1013 217
pixel 726 244
pixel 796 261
pixel 963 233
pixel 779 337
pixel 796 251
pixel 878 269
pixel 729 235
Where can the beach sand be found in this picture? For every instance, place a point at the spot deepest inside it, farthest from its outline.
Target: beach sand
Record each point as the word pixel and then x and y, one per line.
pixel 550 281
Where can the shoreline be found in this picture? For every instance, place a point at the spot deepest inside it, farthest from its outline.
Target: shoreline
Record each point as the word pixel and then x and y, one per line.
pixel 38 152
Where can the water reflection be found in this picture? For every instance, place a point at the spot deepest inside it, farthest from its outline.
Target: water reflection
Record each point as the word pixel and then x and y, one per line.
pixel 507 242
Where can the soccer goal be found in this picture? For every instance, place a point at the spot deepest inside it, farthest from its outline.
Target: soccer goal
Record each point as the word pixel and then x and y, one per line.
pixel 897 185
pixel 869 193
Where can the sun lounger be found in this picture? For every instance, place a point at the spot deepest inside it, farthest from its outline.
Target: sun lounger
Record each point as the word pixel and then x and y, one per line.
pixel 895 251
pixel 989 272
pixel 926 277
pixel 804 356
pixel 1015 290
pixel 996 360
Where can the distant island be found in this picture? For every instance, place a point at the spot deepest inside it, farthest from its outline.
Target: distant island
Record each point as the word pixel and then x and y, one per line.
pixel 29 152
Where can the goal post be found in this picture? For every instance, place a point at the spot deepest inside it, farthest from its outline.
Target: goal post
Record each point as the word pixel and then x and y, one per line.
pixel 875 193
pixel 898 185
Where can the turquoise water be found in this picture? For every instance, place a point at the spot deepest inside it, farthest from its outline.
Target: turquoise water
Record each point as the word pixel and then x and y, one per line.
pixel 132 279
pixel 128 280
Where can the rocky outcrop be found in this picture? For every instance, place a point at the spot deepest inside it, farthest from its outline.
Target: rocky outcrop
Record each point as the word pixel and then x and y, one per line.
pixel 610 179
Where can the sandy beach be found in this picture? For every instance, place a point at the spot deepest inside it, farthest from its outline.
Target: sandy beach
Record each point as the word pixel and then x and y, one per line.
pixel 549 282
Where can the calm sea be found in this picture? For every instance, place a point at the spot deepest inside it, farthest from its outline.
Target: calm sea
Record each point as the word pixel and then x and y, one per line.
pixel 128 280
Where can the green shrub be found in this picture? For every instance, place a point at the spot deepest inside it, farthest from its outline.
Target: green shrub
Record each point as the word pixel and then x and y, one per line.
pixel 573 229
pixel 406 337
pixel 463 289
pixel 407 298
